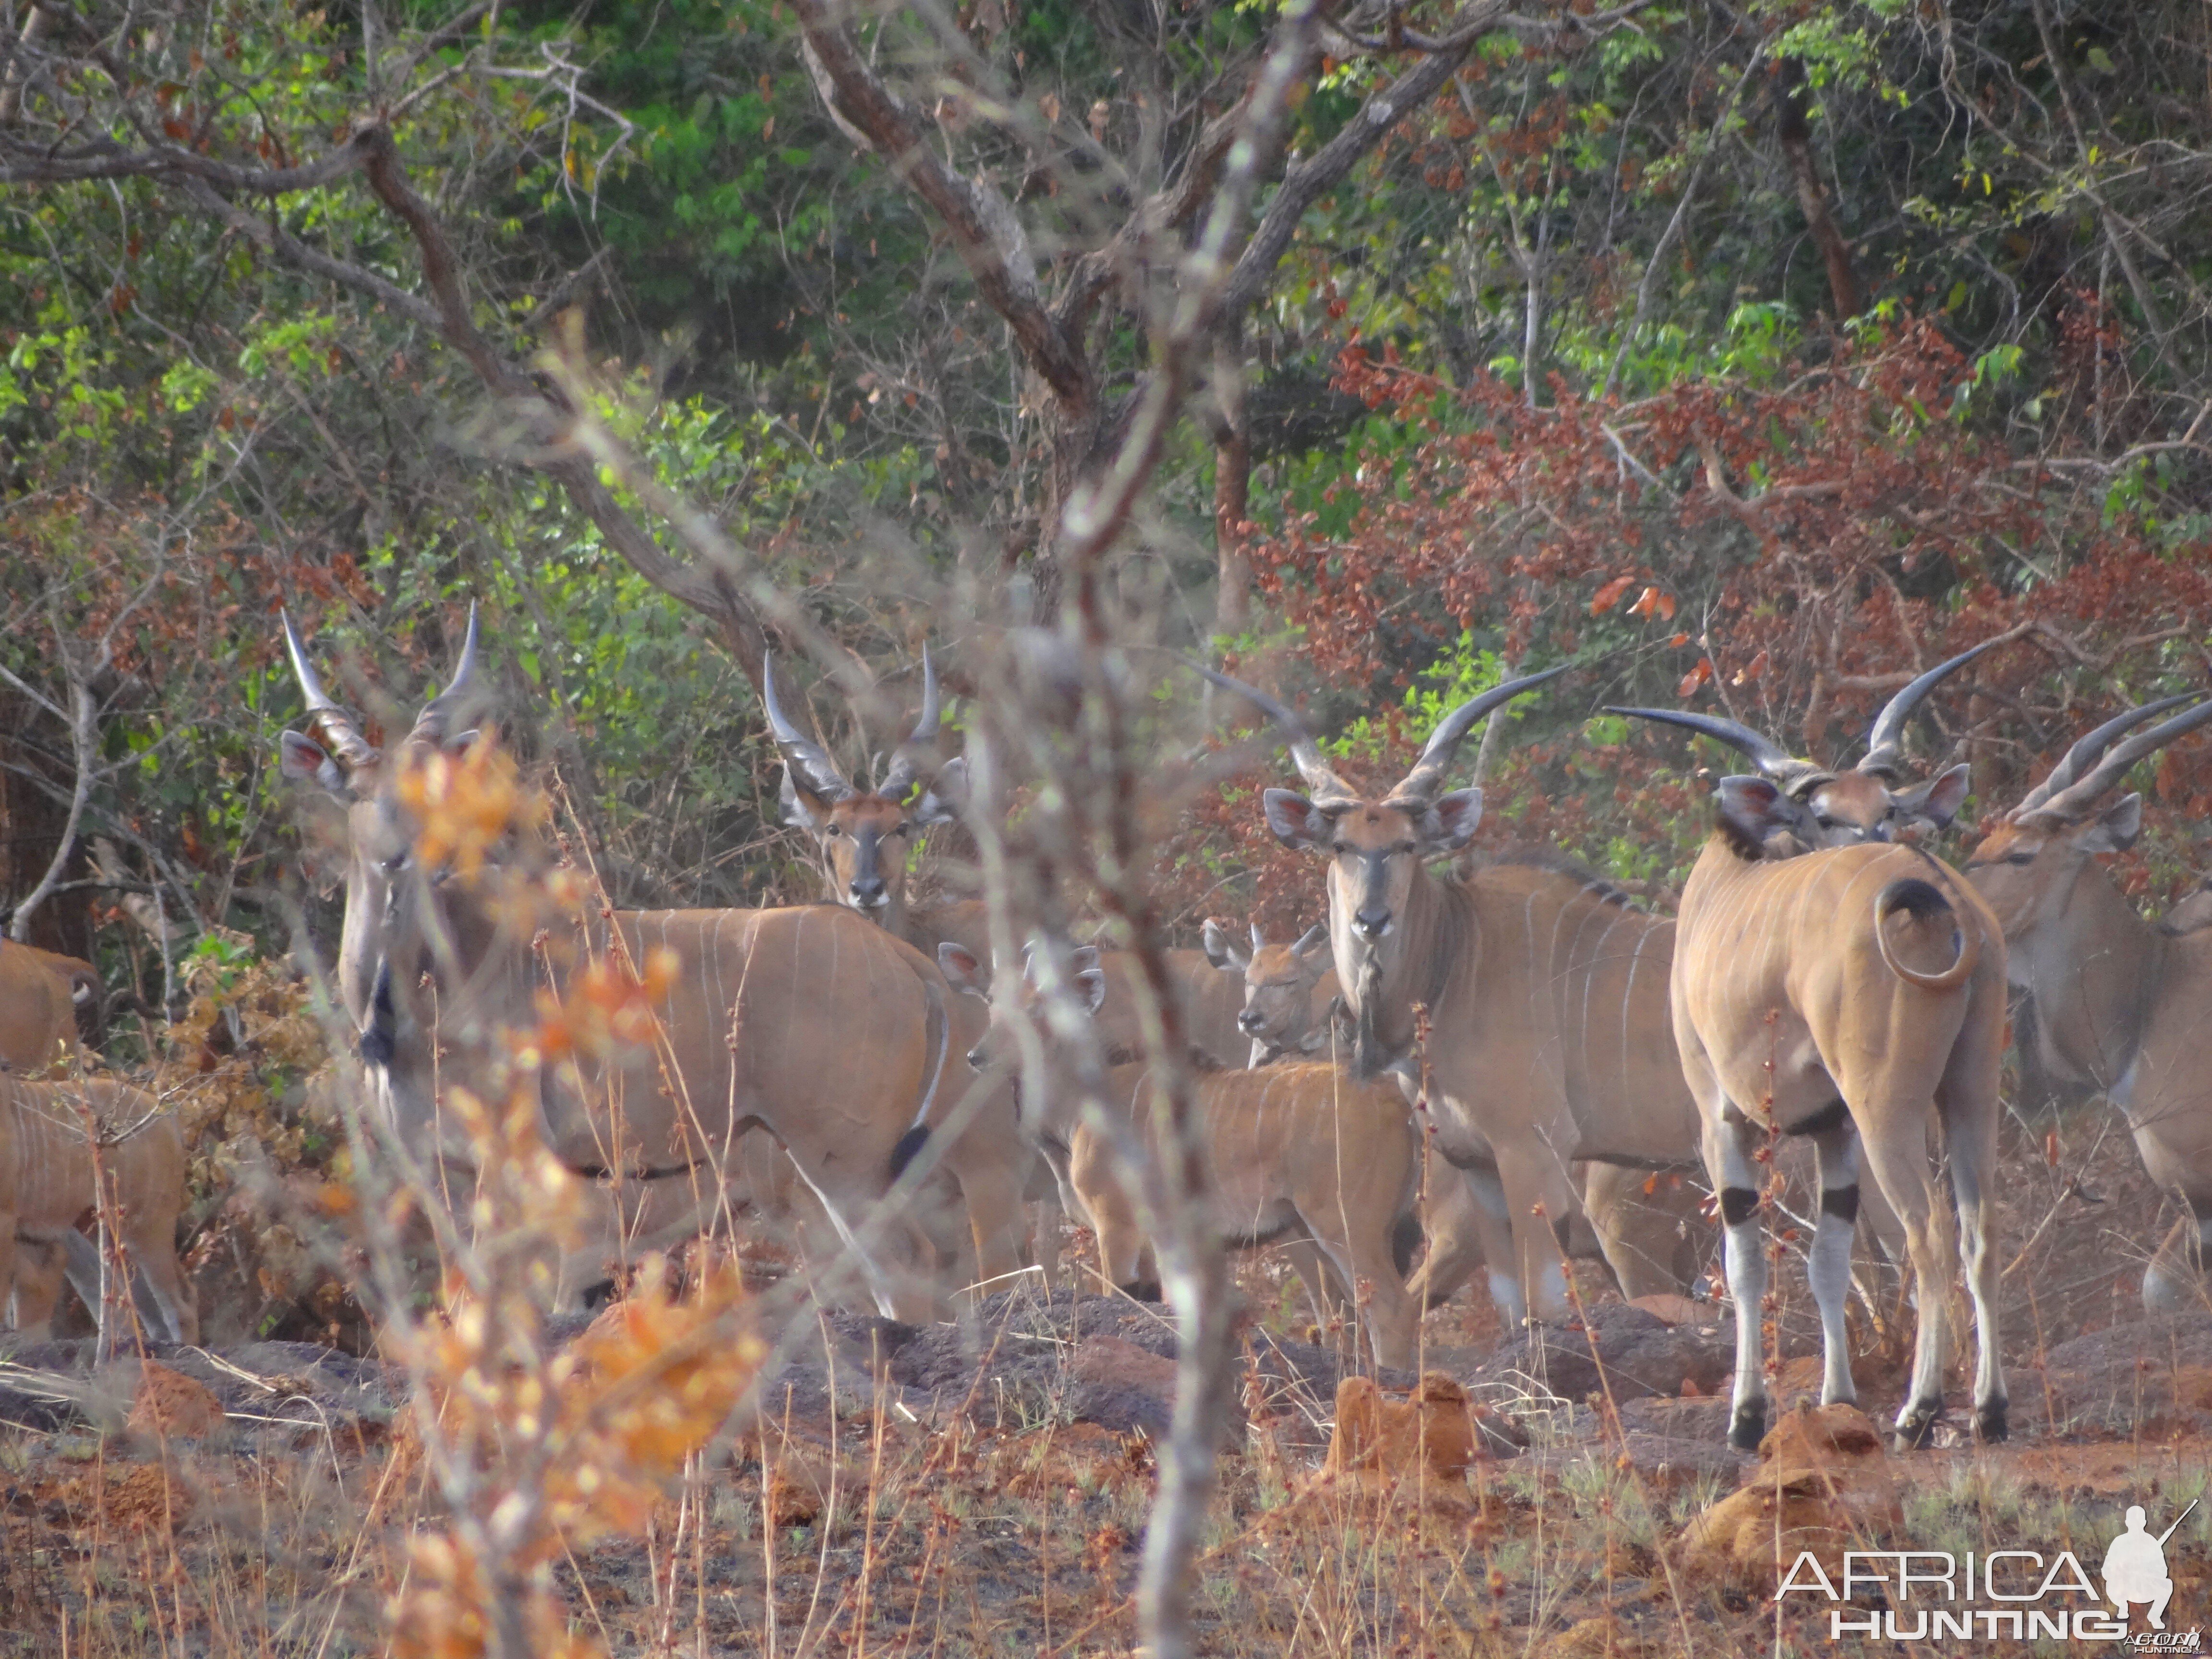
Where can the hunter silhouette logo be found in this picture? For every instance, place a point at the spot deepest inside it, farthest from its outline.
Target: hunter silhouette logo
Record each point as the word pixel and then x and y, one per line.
pixel 2035 1597
pixel 2135 1567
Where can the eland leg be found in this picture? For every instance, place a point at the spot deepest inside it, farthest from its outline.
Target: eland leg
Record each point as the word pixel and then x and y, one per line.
pixel 1735 1176
pixel 1465 1228
pixel 1532 1177
pixel 1737 1179
pixel 1638 1235
pixel 1829 1264
pixel 1966 1100
pixel 1361 1251
pixel 1895 1148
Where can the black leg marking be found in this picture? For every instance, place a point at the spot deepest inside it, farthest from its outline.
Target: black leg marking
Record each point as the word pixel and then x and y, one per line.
pixel 1748 1427
pixel 1841 1202
pixel 1144 1290
pixel 1738 1205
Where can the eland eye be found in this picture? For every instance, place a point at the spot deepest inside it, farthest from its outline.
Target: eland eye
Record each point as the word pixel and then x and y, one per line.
pixel 1406 847
pixel 2020 857
pixel 903 830
pixel 833 831
pixel 1340 850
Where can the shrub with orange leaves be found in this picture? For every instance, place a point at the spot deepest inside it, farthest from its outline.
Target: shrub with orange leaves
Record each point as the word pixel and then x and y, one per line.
pixel 450 1607
pixel 652 1381
pixel 606 1006
pixel 466 803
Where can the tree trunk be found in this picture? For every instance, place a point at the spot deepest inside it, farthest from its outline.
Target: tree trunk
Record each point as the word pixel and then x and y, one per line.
pixel 1232 488
pixel 1794 130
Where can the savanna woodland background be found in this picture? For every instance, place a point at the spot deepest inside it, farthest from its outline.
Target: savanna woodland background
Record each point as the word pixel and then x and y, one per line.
pixel 1752 355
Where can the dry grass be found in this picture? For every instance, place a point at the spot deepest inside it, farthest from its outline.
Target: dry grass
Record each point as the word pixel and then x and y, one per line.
pixel 633 1513
pixel 1017 1535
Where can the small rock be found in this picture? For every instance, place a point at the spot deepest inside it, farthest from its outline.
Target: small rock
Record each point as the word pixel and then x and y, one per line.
pixel 1823 1481
pixel 1109 1361
pixel 799 1485
pixel 1668 1464
pixel 166 1404
pixel 1416 1450
pixel 1677 1309
pixel 1642 1354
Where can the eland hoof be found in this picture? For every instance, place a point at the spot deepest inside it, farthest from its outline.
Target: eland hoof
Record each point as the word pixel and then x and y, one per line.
pixel 1917 1427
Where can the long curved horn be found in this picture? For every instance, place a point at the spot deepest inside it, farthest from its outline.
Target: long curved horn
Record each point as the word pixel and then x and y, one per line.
pixel 906 765
pixel 1770 757
pixel 2075 798
pixel 326 720
pixel 437 713
pixel 1885 742
pixel 2085 752
pixel 319 701
pixel 810 764
pixel 1428 773
pixel 1329 789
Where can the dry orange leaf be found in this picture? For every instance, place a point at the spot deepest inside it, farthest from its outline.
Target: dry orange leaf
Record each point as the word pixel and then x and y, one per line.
pixel 1608 596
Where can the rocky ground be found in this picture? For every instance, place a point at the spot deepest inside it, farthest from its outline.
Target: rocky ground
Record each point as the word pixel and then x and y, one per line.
pixel 982 1486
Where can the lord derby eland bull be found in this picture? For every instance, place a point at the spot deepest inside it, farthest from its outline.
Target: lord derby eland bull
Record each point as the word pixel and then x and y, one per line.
pixel 809 1022
pixel 1543 985
pixel 863 840
pixel 1844 993
pixel 2122 1006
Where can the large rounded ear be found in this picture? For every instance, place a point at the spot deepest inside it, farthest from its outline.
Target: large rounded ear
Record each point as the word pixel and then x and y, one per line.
pixel 1947 795
pixel 1752 809
pixel 1937 800
pixel 1295 821
pixel 962 971
pixel 300 758
pixel 1221 949
pixel 946 798
pixel 2116 827
pixel 1450 821
pixel 802 808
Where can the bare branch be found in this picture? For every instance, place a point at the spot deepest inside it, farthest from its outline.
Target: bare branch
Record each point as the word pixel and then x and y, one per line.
pixel 982 224
pixel 1306 182
pixel 83 741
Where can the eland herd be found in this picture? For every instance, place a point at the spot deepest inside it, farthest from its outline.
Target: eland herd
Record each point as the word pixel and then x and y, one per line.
pixel 1477 1070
